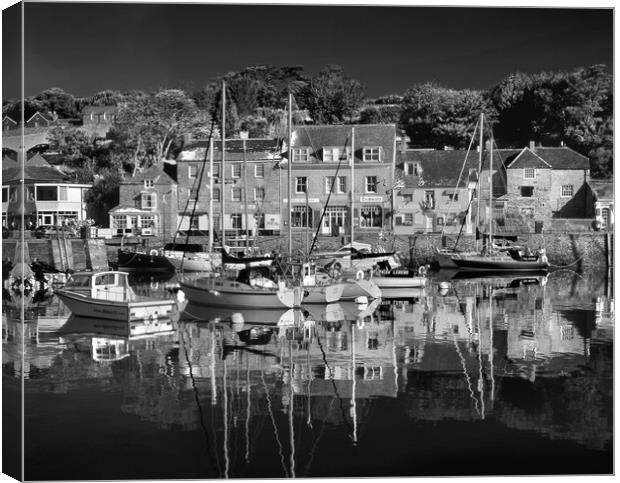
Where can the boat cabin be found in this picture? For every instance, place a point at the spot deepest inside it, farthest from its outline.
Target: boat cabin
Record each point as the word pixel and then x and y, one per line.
pixel 113 286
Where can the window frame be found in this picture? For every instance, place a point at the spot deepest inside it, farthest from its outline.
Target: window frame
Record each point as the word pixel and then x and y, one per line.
pixel 149 183
pixel 368 154
pixel 572 191
pixel 299 179
pixel 256 191
pixel 234 190
pixel 233 167
pixel 368 182
pixel 189 171
pixel 300 155
pixel 256 174
pixel 521 191
pixel 236 219
pixel 531 171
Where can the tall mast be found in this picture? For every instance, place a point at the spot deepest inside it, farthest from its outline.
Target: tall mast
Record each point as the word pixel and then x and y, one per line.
pixel 491 194
pixel 480 152
pixel 290 175
pixel 211 194
pixel 223 173
pixel 352 185
pixel 245 194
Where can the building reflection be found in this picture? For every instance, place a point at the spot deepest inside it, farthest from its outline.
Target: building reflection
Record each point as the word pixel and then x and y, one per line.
pixel 510 349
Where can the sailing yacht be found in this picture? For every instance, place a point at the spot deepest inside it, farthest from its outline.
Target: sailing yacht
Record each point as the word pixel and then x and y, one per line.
pixel 490 259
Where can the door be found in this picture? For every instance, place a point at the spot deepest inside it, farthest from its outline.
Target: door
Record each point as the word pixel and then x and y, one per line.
pixel 604 218
pixel 326 228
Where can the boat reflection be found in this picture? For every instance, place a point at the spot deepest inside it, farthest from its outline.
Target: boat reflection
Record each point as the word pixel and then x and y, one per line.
pixel 532 354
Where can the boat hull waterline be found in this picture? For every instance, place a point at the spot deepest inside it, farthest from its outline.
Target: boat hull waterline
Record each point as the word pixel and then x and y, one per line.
pixel 210 291
pixel 85 306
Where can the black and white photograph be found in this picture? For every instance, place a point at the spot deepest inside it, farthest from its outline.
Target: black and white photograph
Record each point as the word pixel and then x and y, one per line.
pixel 307 240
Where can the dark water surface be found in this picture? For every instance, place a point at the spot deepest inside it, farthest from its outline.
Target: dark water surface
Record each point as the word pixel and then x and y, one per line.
pixel 493 376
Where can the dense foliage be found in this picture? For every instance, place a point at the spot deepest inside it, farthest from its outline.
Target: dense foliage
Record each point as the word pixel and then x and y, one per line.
pixel 574 108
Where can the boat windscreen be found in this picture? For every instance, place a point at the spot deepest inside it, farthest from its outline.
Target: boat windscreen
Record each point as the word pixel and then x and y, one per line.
pixel 79 280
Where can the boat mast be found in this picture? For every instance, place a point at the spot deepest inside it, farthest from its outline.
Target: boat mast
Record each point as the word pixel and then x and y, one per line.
pixel 352 185
pixel 353 384
pixel 223 172
pixel 211 194
pixel 491 195
pixel 480 152
pixel 290 174
pixel 245 193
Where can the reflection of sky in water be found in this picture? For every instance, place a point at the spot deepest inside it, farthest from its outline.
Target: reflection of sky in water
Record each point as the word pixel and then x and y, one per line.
pixel 455 357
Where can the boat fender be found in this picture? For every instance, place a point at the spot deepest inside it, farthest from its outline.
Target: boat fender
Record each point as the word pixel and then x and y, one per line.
pixel 154 285
pixel 359 275
pixel 422 271
pixel 237 318
pixel 180 296
pixel 153 252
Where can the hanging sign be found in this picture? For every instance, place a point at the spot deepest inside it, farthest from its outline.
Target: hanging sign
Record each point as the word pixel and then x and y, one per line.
pixel 371 199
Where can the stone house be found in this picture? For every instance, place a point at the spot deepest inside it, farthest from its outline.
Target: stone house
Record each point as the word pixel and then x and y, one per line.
pixel 51 197
pixel 249 186
pixel 334 165
pixel 147 204
pixel 544 183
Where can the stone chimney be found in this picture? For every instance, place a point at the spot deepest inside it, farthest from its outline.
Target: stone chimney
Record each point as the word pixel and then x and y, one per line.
pixel 533 146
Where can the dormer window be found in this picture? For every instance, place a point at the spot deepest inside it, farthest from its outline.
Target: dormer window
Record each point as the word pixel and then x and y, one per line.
pixel 413 169
pixel 301 155
pixel 529 173
pixel 372 153
pixel 148 183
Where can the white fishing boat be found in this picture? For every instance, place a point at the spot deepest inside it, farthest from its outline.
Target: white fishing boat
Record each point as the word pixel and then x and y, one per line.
pixel 247 291
pixel 108 295
pixel 401 278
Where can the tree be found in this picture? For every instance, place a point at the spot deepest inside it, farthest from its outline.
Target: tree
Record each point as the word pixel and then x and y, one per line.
pixel 73 144
pixel 58 101
pixel 104 195
pixel 331 97
pixel 146 127
pixel 435 116
pixel 381 114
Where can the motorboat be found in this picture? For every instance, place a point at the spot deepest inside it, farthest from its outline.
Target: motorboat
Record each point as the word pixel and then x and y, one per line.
pixel 108 295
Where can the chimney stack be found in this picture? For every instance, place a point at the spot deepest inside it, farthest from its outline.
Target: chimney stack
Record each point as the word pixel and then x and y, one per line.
pixel 532 145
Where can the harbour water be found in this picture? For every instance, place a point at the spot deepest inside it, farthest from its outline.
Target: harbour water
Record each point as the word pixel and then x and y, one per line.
pixel 502 376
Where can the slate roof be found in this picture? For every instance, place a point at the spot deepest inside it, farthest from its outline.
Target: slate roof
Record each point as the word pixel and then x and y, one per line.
pixel 36 169
pixel 602 189
pixel 255 149
pixel 366 135
pixel 441 168
pixel 155 172
pixel 96 109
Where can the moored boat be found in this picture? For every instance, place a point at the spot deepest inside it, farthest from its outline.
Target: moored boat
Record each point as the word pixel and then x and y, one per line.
pixel 108 295
pixel 400 278
pixel 245 292
pixel 191 257
pixel 140 261
pixel 512 261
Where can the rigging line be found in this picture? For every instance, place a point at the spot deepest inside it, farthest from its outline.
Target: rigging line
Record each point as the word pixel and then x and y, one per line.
pixel 331 190
pixel 273 422
pixel 467 378
pixel 458 181
pixel 469 206
pixel 195 389
pixel 195 181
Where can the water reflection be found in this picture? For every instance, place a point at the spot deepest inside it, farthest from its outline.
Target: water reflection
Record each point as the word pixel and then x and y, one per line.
pixel 266 389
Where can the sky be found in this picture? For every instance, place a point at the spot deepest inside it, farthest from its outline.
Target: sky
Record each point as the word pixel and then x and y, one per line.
pixel 84 48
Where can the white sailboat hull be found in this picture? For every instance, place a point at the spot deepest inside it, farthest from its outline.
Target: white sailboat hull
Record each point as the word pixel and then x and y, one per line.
pixel 360 288
pixel 211 291
pixel 193 262
pixel 323 294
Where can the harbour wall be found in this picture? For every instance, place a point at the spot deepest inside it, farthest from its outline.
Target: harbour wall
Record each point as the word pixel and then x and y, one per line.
pixel 578 251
